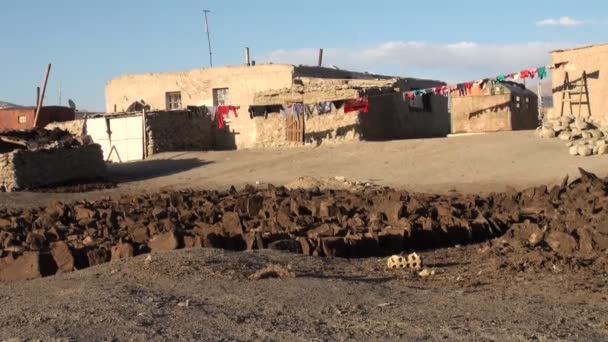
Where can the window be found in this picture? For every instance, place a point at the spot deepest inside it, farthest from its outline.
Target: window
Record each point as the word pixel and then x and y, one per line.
pixel 22 119
pixel 174 100
pixel 421 103
pixel 220 96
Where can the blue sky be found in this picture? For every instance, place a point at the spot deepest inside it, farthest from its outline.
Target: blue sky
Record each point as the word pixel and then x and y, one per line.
pixel 90 42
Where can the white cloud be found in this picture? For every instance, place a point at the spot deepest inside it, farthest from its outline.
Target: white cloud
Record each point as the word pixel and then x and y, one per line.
pixel 451 62
pixel 563 21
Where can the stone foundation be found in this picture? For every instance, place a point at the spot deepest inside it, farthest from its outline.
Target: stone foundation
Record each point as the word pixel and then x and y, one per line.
pixel 23 169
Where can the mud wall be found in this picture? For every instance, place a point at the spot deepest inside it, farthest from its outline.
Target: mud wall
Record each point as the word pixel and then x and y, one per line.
pixel 22 169
pixel 594 61
pixel 391 118
pixel 493 113
pixel 179 131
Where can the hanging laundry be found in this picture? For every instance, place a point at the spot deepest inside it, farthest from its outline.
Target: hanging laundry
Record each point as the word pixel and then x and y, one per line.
pixel 225 111
pixel 467 87
pixel 324 107
pixel 299 108
pixel 438 90
pixel 515 76
pixel 524 74
pixel 255 111
pixel 542 72
pixel 288 110
pixel 501 78
pixel 461 89
pixel 410 95
pixel 531 73
pixel 361 104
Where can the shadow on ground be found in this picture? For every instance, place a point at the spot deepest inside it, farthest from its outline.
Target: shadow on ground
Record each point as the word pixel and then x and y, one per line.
pixel 148 169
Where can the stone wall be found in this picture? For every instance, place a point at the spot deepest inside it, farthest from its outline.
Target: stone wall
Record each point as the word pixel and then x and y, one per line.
pixel 23 169
pixel 179 131
pixel 594 61
pixel 75 127
pixel 321 129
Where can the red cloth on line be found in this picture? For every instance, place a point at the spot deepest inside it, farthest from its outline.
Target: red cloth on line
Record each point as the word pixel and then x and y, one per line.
pixel 467 86
pixel 361 105
pixel 524 74
pixel 225 110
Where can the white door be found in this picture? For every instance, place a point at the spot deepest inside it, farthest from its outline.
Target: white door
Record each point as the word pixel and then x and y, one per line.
pixel 125 141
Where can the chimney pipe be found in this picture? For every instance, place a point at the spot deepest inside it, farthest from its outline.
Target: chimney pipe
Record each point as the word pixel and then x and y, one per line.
pixel 320 57
pixel 247 57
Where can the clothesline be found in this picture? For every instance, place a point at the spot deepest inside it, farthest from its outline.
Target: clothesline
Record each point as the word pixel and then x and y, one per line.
pixel 465 87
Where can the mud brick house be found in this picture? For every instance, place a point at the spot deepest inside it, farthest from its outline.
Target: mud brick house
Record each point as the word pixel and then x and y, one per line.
pixel 15 118
pixel 496 107
pixel 389 116
pixel 580 83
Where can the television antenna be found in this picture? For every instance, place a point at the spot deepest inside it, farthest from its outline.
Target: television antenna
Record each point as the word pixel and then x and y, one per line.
pixel 205 11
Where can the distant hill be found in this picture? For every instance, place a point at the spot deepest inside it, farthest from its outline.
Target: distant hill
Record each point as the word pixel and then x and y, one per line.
pixel 7 105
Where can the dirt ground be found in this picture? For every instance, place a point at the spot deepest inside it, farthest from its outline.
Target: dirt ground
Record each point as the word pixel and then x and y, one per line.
pixel 206 295
pixel 476 294
pixel 469 164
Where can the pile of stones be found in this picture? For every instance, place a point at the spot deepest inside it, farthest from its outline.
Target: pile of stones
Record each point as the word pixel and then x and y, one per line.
pixel 581 136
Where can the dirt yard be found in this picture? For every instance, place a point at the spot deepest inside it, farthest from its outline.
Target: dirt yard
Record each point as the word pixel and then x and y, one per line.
pixel 538 270
pixel 469 164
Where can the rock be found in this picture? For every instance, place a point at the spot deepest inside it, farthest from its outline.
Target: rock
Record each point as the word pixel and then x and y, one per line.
pixel 602 149
pixel 88 241
pixel 596 149
pixel 23 267
pixel 570 144
pixel 561 243
pixel 585 241
pixel 581 124
pixel 340 178
pixel 5 223
pixel 122 251
pixel 584 151
pixel 565 136
pixel 98 256
pixel 425 273
pixel 163 242
pixel 596 133
pixel 82 213
pixel 193 242
pixel 138 233
pixel 573 151
pixel 63 256
pixel 547 133
pixel 232 223
pixel 586 135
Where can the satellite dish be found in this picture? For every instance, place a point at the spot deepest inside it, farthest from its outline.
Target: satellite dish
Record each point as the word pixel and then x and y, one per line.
pixel 71 104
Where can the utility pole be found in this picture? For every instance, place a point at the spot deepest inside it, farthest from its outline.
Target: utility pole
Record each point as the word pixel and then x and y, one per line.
pixel 208 36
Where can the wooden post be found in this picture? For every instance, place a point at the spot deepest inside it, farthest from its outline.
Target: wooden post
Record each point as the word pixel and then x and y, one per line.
pixel 144 133
pixel 320 57
pixel 41 99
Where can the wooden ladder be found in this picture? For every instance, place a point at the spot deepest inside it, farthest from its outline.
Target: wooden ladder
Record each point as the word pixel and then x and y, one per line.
pixel 573 88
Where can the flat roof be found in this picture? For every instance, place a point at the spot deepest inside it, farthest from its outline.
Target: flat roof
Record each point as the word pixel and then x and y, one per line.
pixel 580 47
